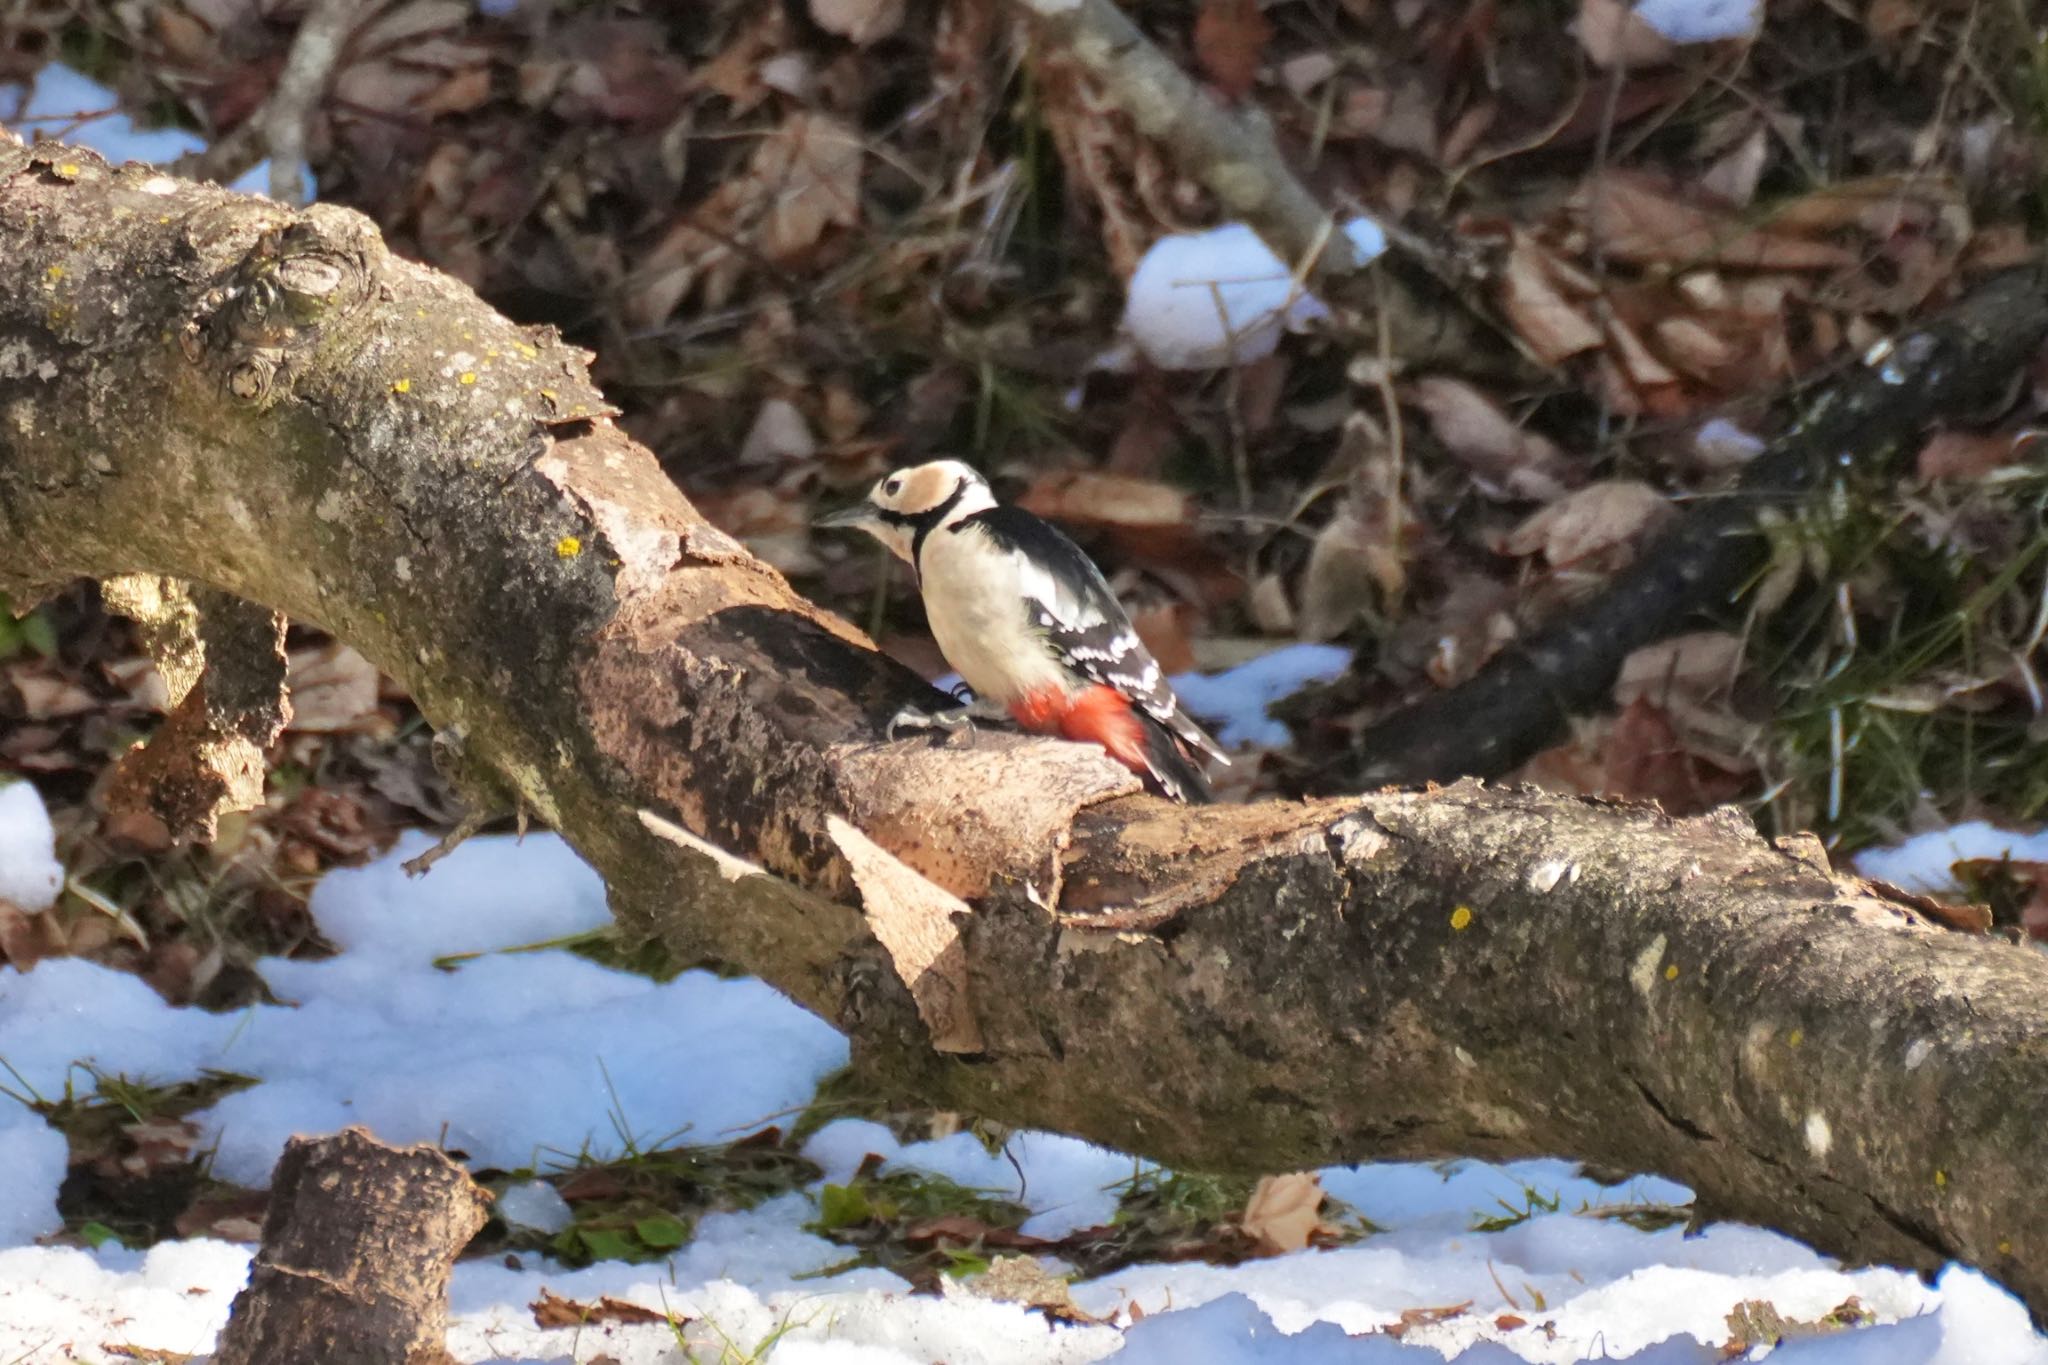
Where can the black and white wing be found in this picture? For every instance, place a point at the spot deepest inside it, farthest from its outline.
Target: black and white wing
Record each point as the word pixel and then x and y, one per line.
pixel 1081 619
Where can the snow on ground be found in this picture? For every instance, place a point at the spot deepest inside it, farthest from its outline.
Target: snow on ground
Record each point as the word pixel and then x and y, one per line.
pixel 516 1055
pixel 30 874
pixel 69 107
pixel 1702 21
pixel 1201 300
pixel 1926 862
pixel 1235 701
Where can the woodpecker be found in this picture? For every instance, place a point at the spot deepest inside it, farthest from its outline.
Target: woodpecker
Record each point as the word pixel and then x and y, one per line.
pixel 1032 627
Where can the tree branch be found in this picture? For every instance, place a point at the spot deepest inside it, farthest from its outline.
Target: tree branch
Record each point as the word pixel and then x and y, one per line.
pixel 278 128
pixel 1520 701
pixel 218 389
pixel 1429 316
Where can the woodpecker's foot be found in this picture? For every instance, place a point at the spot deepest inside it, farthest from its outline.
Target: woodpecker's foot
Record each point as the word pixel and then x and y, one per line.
pixel 953 718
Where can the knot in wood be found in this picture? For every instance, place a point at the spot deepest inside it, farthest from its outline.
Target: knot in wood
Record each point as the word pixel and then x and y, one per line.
pixel 257 331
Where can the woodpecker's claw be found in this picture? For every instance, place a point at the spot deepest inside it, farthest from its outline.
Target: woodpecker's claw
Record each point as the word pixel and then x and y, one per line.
pixel 952 718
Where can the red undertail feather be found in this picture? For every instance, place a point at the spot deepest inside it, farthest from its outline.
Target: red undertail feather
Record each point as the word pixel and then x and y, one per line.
pixel 1102 715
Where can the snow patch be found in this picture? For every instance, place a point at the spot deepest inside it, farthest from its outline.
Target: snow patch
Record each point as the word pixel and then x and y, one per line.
pixel 1926 862
pixel 1204 300
pixel 60 96
pixel 1702 21
pixel 30 875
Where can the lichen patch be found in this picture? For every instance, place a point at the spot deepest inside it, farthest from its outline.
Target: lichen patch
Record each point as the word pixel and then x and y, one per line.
pixel 1643 974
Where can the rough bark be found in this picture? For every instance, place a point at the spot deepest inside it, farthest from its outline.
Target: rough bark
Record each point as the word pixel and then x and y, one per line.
pixel 357 1249
pixel 221 390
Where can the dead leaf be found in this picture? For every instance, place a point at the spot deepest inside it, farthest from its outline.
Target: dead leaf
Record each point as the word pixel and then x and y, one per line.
pixel 1585 529
pixel 1088 498
pixel 333 689
pixel 860 21
pixel 809 172
pixel 1555 327
pixel 1641 221
pixel 1412 1318
pixel 1281 1214
pixel 46 696
pixel 1353 565
pixel 1964 455
pixel 1692 668
pixel 1230 43
pixel 1647 760
pixel 1734 175
pixel 1479 435
pixel 552 1310
pixel 1613 34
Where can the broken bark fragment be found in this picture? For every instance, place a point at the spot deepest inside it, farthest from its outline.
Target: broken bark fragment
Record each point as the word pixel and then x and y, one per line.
pixel 357 1249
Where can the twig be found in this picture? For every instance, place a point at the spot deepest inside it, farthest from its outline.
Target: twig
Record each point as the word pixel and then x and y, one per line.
pixel 278 128
pixel 1234 154
pixel 1520 701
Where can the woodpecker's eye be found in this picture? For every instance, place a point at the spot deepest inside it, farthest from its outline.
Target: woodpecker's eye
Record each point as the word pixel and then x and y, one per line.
pixel 892 487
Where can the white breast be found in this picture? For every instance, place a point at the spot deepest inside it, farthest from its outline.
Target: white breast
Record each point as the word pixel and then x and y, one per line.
pixel 974 599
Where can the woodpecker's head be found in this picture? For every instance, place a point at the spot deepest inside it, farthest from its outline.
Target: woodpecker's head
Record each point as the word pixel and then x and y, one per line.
pixel 916 500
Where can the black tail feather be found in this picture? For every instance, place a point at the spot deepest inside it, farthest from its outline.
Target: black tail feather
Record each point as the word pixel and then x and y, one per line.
pixel 1176 773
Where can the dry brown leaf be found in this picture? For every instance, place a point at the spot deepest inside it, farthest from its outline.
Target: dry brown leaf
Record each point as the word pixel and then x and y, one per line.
pixel 1734 175
pixel 333 689
pixel 467 89
pixel 1354 564
pixel 1479 435
pixel 1163 626
pixel 1887 19
pixel 1964 455
pixel 1412 1318
pixel 553 1310
pixel 1613 34
pixel 1647 760
pixel 1089 498
pixel 1281 1214
pixel 1230 42
pixel 46 696
pixel 1644 370
pixel 1692 668
pixel 1580 529
pixel 860 21
pixel 1642 222
pixel 1694 347
pixel 809 170
pixel 1555 327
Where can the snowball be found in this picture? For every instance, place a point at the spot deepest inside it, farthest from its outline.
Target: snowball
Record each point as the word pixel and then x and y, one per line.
pixel 1208 299
pixel 30 874
pixel 1702 21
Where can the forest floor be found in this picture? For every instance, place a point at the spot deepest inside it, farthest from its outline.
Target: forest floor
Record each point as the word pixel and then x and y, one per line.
pixel 809 242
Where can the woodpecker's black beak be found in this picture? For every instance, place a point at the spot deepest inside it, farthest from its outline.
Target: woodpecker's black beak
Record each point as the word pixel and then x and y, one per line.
pixel 857 515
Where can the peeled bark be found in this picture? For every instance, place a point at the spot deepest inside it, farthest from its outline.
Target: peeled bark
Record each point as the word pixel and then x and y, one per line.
pixel 218 389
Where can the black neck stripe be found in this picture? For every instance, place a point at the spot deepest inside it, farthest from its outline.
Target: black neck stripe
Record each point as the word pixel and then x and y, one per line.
pixel 926 521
